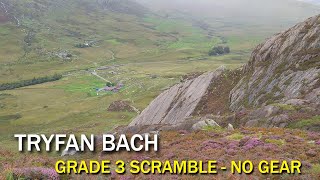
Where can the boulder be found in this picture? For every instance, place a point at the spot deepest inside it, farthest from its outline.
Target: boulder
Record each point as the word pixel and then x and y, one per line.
pixel 200 125
pixel 177 103
pixel 297 102
pixel 212 123
pixel 264 112
pixel 230 127
pixel 277 120
pixel 252 123
pixel 205 123
pixel 69 152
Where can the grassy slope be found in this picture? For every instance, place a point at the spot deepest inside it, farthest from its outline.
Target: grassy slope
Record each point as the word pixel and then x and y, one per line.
pixel 148 45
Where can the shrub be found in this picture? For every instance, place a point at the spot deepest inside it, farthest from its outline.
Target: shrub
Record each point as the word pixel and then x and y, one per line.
pixel 219 50
pixel 109 84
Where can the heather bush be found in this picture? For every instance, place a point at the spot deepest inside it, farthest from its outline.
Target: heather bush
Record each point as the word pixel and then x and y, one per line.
pixel 170 155
pixel 263 144
pixel 270 147
pixel 252 143
pixel 275 137
pixel 140 157
pixel 313 135
pixel 211 144
pixel 35 173
pixel 183 132
pixel 231 152
pixel 233 145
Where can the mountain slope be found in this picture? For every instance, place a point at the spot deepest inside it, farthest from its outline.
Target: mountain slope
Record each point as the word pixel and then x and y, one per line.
pixel 278 86
pixel 40 34
pixel 286 67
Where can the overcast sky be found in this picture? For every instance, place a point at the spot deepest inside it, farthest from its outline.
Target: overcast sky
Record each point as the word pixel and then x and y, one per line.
pixel 312 1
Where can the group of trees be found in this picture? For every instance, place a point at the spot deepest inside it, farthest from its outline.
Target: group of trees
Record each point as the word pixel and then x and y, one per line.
pixel 219 50
pixel 29 82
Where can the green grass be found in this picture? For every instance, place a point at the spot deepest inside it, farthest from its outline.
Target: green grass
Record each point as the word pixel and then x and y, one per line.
pixel 236 136
pixel 286 107
pixel 85 84
pixel 306 123
pixel 315 169
pixel 278 142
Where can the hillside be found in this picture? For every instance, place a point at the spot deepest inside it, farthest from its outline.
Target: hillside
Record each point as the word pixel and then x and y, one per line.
pixel 44 36
pixel 278 87
pixel 83 66
pixel 286 67
pixel 45 33
pixel 73 40
pixel 121 41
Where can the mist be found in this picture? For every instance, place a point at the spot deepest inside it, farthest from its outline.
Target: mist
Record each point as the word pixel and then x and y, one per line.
pixel 255 11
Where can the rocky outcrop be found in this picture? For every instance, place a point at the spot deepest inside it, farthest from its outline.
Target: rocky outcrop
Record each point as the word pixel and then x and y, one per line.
pixel 279 86
pixel 178 102
pixel 286 66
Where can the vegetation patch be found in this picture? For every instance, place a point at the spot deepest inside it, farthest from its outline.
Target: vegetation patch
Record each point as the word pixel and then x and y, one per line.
pixel 278 142
pixel 236 136
pixel 216 101
pixel 315 169
pixel 33 173
pixel 4 96
pixel 213 128
pixel 286 107
pixel 30 82
pixel 310 124
pixel 6 118
pixel 219 50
